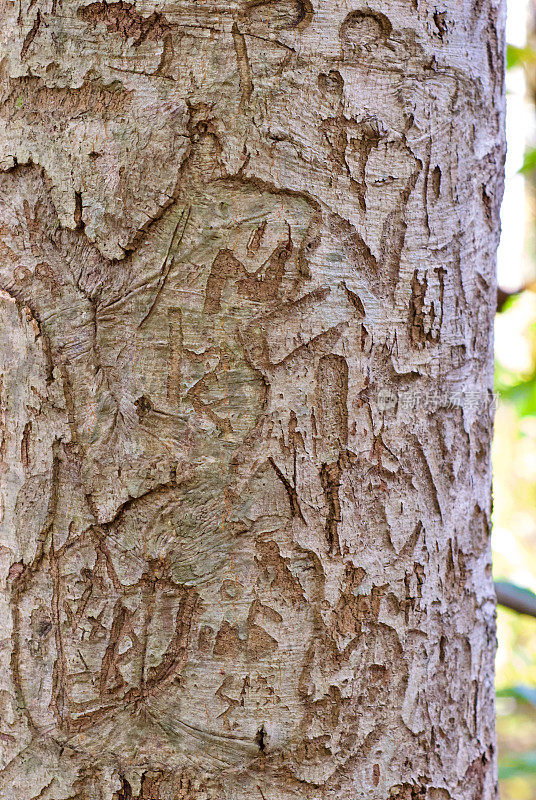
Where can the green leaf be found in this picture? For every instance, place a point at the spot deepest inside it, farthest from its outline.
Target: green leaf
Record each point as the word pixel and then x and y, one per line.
pixel 525 693
pixel 519 56
pixel 521 392
pixel 524 764
pixel 529 161
pixel 509 302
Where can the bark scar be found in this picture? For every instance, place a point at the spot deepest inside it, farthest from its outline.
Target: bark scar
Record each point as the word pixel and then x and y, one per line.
pixel 244 67
pixel 30 36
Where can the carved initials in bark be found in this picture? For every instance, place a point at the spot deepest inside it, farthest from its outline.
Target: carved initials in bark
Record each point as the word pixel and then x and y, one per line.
pixel 261 286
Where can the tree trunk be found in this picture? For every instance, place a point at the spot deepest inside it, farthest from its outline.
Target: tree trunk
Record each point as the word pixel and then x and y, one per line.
pixel 247 265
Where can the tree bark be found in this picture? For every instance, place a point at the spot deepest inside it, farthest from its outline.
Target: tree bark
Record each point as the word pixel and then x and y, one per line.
pixel 248 284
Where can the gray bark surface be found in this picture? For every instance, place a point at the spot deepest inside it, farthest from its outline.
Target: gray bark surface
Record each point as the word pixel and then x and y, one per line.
pixel 247 262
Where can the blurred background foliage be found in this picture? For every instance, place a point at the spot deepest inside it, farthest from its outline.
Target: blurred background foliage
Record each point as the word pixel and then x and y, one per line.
pixel 514 450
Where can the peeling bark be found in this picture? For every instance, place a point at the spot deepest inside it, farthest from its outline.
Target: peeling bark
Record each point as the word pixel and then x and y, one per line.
pixel 247 285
